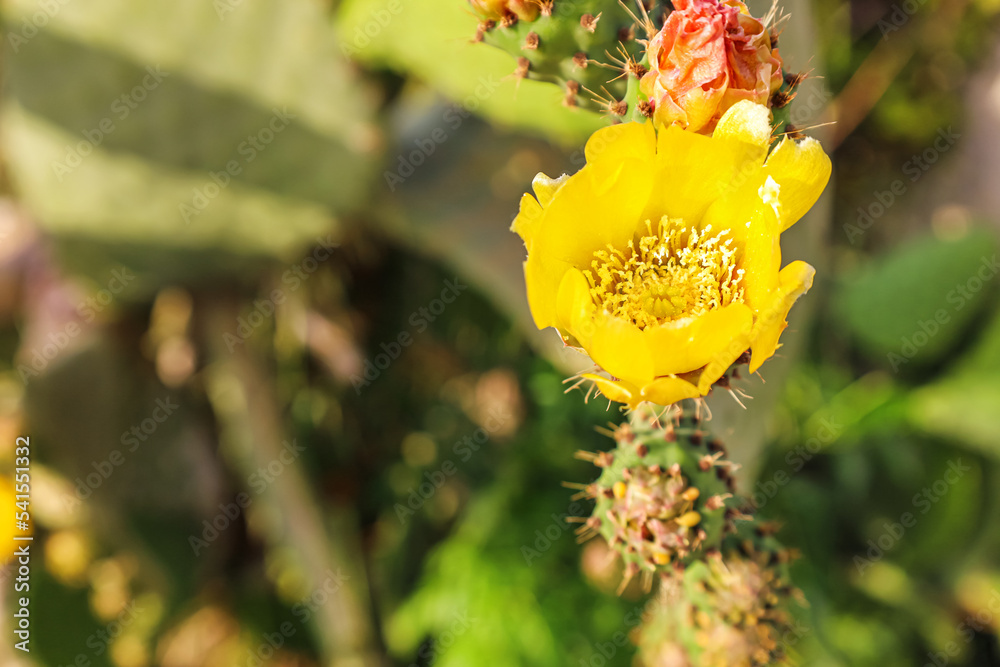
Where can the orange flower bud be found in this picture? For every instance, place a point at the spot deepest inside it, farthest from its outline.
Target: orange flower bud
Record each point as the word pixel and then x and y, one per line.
pixel 709 56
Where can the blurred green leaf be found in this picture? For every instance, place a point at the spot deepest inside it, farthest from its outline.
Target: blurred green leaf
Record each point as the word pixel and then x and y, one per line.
pixel 191 127
pixel 68 629
pixel 963 410
pixel 915 302
pixel 482 602
pixel 963 406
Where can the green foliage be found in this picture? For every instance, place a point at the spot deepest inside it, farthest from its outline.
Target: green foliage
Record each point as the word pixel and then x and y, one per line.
pixel 170 146
pixel 963 404
pixel 916 302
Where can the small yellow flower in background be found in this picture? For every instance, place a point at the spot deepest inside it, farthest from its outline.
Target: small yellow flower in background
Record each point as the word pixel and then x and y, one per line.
pixel 661 258
pixel 499 10
pixel 7 527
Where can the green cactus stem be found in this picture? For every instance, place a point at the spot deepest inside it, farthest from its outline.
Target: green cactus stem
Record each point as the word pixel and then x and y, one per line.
pixel 588 47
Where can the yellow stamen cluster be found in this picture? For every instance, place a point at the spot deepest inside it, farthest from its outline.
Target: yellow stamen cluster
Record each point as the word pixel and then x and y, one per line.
pixel 676 273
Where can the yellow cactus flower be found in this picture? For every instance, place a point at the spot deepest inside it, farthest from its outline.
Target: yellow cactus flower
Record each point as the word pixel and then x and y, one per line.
pixel 661 258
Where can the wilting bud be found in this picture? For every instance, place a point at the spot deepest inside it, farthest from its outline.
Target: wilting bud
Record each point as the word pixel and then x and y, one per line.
pixel 498 10
pixel 709 56
pixel 661 499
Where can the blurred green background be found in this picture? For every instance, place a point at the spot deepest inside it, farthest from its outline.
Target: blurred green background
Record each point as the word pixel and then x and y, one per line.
pixel 264 322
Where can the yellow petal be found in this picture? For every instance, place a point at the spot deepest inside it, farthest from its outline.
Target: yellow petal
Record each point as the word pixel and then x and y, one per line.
pixel 719 364
pixel 619 348
pixel 546 188
pixel 684 348
pixel 585 212
pixel 795 280
pixel 802 170
pixel 596 207
pixel 618 391
pixel 542 276
pixel 761 259
pixel 575 307
pixel 611 145
pixel 685 179
pixel 693 170
pixel 668 390
pixel 799 169
pixel 747 122
pixel 577 223
pixel 733 208
pixel 525 224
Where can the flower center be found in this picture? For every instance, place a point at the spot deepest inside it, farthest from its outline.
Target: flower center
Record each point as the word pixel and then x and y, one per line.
pixel 675 273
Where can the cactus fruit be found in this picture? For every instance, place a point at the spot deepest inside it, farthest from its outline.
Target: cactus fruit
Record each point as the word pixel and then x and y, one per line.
pixel 661 500
pixel 729 610
pixel 588 47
